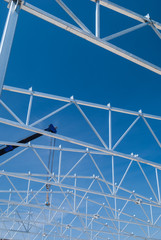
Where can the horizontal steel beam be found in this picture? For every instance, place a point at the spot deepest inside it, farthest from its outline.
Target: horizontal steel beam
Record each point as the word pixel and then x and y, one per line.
pixel 40 222
pixel 79 143
pixel 79 102
pixel 35 176
pixel 52 193
pixel 127 12
pixel 87 36
pixel 71 187
pixel 78 228
pixel 45 147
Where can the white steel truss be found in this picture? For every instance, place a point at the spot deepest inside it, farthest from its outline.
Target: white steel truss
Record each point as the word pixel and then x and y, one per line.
pixel 76 198
pixel 83 205
pixel 82 31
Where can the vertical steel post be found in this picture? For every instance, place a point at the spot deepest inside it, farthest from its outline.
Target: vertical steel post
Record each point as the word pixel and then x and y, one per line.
pixel 7 38
pixel 158 186
pixel 113 166
pixel 118 228
pixel 28 189
pixel 86 212
pixel 10 194
pixel 110 147
pixel 91 230
pixel 61 226
pixel 29 107
pixel 75 185
pixel 97 19
pixel 59 168
pixel 70 234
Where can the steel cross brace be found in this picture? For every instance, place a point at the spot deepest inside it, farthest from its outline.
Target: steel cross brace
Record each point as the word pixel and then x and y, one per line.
pixel 90 37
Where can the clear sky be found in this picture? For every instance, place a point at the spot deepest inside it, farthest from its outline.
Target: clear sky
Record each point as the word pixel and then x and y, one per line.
pixel 54 61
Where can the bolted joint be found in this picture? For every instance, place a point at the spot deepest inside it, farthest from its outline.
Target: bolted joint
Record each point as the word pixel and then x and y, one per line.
pixel 140 112
pixel 147 18
pixel 18 3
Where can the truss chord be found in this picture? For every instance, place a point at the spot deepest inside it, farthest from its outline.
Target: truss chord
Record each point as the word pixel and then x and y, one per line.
pixel 79 102
pixel 72 187
pixel 70 140
pixel 98 180
pixel 93 230
pixel 89 37
pixel 71 214
pixel 126 12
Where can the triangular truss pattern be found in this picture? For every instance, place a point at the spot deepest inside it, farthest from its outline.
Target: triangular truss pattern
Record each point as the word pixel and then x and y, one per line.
pixel 80 30
pixel 85 201
pixel 77 185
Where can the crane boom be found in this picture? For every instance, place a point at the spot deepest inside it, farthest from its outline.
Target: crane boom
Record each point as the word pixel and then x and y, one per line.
pixel 10 148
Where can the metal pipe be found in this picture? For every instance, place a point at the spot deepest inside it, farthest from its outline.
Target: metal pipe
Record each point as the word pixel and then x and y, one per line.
pixel 127 12
pixel 97 19
pixel 7 39
pixel 79 102
pixel 89 37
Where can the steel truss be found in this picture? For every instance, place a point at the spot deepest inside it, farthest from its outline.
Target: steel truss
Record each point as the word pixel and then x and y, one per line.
pixel 82 31
pixel 82 206
pixel 83 203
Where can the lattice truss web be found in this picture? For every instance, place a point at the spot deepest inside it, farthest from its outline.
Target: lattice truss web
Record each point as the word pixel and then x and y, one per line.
pixel 99 176
pixel 97 189
pixel 79 29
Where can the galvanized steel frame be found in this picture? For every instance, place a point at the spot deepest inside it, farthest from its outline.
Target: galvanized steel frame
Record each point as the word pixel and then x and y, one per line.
pixel 84 224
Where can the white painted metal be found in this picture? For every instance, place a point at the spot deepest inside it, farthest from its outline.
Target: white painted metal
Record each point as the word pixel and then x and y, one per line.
pixel 72 15
pixel 121 33
pixel 83 103
pixel 7 39
pixel 85 202
pixel 127 12
pixel 97 19
pixel 89 37
pixel 75 196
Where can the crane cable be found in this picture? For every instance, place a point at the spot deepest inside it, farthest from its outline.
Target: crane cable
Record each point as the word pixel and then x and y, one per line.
pixel 50 167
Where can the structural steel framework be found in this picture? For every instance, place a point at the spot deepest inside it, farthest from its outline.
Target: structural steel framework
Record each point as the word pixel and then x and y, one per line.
pixel 70 202
pixel 82 206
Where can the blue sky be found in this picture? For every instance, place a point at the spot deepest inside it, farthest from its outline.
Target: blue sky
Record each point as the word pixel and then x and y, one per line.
pixel 54 61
